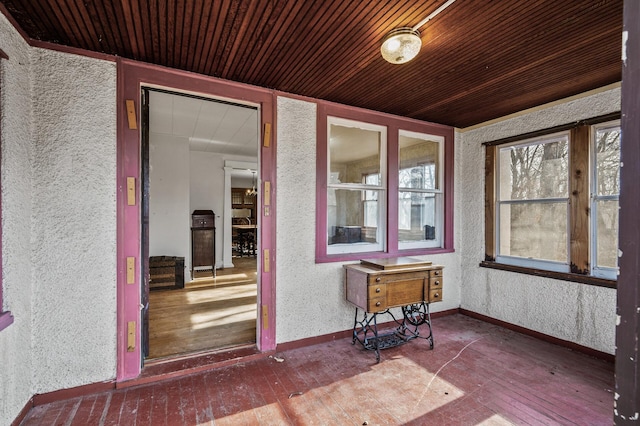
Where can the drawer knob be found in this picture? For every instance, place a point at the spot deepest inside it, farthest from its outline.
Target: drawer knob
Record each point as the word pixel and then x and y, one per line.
pixel 378 303
pixel 436 295
pixel 378 279
pixel 378 290
pixel 437 282
pixel 436 273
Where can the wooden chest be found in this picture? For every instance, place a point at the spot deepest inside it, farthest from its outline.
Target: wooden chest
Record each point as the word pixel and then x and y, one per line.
pixel 166 272
pixel 377 285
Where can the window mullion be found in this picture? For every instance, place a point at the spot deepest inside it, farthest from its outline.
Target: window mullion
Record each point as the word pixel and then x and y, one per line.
pixel 579 245
pixel 490 212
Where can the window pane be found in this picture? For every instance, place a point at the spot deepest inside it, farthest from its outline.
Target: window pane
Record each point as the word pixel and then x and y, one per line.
pixel 534 230
pixel 607 233
pixel 535 171
pixel 608 161
pixel 419 162
pixel 416 216
pixel 353 153
pixel 351 218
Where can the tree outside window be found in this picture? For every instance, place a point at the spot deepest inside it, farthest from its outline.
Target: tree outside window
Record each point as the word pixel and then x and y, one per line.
pixel 533 200
pixel 604 199
pixel 552 201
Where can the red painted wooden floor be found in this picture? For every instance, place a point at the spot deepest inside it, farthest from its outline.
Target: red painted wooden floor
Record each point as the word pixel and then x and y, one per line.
pixel 478 373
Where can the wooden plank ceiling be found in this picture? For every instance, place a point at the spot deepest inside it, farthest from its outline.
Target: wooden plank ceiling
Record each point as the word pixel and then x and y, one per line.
pixel 480 59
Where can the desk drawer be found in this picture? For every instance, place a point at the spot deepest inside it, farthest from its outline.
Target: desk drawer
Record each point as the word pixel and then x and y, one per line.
pixel 436 283
pixel 378 290
pixel 389 278
pixel 435 295
pixel 376 304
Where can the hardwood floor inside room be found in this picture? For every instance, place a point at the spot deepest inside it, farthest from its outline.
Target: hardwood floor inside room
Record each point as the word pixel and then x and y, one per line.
pixel 477 373
pixel 209 313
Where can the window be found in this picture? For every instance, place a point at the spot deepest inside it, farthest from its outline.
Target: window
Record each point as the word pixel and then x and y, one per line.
pixel 371 201
pixel 532 203
pixel 419 190
pixel 552 200
pixel 355 188
pixel 384 186
pixel 605 191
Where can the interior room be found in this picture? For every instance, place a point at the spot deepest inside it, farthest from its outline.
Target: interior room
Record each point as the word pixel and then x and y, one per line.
pixel 202 285
pixel 319 212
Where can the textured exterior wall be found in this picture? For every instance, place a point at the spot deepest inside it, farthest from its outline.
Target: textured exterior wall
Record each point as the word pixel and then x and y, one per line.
pixel 310 299
pixel 575 312
pixel 74 220
pixel 17 152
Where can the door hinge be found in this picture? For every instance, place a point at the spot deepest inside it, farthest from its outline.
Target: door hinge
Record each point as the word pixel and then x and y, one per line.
pixel 267 193
pixel 265 317
pixel 131 191
pixel 131 270
pixel 266 141
pixel 266 266
pixel 131 114
pixel 131 336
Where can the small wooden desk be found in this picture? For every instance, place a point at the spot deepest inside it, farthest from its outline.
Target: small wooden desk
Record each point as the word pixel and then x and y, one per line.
pixel 375 286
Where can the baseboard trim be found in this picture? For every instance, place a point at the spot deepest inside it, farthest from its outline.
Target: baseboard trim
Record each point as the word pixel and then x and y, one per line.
pixel 62 394
pixel 325 338
pixel 541 336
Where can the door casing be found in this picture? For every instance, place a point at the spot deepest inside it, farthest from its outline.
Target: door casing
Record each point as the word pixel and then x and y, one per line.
pixel 132 76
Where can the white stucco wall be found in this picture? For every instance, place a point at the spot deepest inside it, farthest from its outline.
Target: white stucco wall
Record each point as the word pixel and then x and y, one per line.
pixel 169 220
pixel 207 190
pixel 59 229
pixel 74 220
pixel 17 187
pixel 578 313
pixel 310 298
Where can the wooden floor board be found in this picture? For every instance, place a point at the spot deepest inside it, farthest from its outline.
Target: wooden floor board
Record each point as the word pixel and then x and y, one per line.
pixel 208 314
pixel 158 415
pixel 478 373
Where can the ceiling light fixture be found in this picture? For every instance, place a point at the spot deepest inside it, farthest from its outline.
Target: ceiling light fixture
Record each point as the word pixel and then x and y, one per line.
pixel 403 44
pixel 253 191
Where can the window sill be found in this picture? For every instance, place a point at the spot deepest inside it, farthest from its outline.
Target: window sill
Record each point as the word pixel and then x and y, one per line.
pixel 346 257
pixel 564 276
pixel 6 319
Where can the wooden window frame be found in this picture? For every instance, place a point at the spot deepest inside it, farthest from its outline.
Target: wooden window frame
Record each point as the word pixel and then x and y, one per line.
pixel 380 188
pixel 6 319
pixel 393 124
pixel 579 203
pixel 437 193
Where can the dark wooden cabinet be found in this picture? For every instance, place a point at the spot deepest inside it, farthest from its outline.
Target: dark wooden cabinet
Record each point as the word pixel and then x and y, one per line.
pixel 203 241
pixel 242 199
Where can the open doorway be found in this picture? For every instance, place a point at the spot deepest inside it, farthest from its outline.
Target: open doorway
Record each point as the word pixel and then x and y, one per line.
pixel 195 298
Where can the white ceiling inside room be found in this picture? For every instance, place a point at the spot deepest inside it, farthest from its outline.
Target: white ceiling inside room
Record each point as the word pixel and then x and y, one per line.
pixel 209 125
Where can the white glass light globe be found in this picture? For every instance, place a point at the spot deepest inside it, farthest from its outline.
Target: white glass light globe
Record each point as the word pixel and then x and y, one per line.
pixel 401 45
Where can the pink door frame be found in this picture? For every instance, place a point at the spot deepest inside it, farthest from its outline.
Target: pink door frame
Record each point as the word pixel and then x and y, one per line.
pixel 131 77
